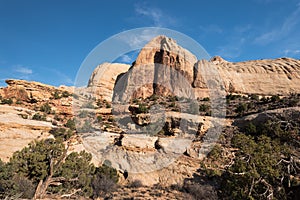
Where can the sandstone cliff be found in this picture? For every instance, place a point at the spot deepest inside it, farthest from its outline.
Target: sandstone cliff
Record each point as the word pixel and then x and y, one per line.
pixel 163 67
pixel 266 77
pixel 102 80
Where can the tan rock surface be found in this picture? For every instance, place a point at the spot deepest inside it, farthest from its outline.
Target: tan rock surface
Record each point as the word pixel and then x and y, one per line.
pixel 267 77
pixel 24 89
pixel 163 62
pixel 161 55
pixel 103 79
pixel 16 132
pixel 21 90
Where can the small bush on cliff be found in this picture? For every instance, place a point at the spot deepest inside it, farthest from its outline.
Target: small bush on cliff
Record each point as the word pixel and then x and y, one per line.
pixel 7 101
pixel 39 117
pixel 142 108
pixel 71 124
pixel 46 108
pixel 66 94
pixel 56 95
pixel 61 133
pixel 241 108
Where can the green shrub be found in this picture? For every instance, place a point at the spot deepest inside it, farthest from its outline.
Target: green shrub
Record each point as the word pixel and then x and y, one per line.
pixel 7 101
pixel 251 129
pixel 293 102
pixel 241 108
pixel 71 124
pixel 111 119
pixel 172 105
pixel 108 105
pixel 153 97
pixel 57 118
pixel 56 95
pixel 77 166
pixel 255 161
pixel 19 102
pixel 46 108
pixel 39 117
pixel 48 160
pixel 61 133
pixel 254 97
pixel 142 108
pixel 135 101
pixel 172 98
pixel 275 98
pixel 104 180
pixel 215 153
pixel 99 119
pixel 66 94
pixel 203 108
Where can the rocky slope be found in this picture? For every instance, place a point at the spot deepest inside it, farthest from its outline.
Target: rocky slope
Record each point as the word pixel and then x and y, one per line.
pixel 30 94
pixel 24 90
pixel 16 131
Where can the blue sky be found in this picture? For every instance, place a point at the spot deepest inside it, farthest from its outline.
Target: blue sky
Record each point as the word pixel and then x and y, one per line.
pixel 47 41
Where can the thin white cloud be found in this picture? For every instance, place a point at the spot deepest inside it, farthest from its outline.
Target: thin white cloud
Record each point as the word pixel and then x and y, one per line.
pixel 291 52
pixel 63 78
pixel 158 17
pixel 278 33
pixel 152 13
pixel 126 59
pixel 212 28
pixel 23 70
pixel 138 40
pixel 231 50
pixel 243 29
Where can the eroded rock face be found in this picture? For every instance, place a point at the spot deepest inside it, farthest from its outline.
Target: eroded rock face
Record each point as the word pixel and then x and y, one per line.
pixel 165 51
pixel 103 79
pixel 26 89
pixel 266 77
pixel 17 131
pixel 34 93
pixel 164 68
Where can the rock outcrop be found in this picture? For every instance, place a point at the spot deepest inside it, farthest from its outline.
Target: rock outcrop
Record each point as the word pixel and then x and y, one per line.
pixel 163 68
pixel 24 90
pixel 29 93
pixel 102 80
pixel 265 77
pixel 16 131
